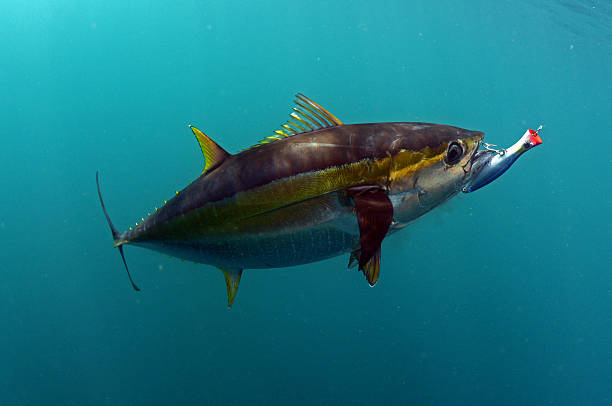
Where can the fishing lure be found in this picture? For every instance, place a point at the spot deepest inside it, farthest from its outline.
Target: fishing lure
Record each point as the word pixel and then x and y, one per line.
pixel 492 163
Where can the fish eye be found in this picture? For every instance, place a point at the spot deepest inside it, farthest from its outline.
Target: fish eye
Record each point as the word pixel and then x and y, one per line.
pixel 454 153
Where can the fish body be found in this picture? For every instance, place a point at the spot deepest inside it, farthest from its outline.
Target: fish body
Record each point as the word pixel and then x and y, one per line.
pixel 316 189
pixel 286 203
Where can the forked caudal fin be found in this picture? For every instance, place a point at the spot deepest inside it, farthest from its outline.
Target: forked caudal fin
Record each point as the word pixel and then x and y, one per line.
pixel 114 231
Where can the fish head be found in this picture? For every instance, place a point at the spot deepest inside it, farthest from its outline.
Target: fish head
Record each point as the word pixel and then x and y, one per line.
pixel 432 167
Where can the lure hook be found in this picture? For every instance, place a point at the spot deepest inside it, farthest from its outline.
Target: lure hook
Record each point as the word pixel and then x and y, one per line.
pixel 489 147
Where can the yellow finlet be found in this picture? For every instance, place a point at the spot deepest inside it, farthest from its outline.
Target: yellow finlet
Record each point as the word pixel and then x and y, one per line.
pixel 232 279
pixel 213 153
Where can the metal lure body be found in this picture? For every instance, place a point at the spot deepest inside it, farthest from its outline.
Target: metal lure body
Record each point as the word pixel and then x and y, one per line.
pixel 491 164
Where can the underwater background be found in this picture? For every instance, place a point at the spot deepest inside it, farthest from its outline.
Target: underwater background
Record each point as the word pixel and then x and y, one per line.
pixel 502 296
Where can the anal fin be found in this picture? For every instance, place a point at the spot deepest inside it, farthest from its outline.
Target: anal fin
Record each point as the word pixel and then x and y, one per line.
pixel 232 279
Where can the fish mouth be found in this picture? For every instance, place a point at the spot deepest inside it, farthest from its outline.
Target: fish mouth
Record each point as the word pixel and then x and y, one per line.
pixel 478 162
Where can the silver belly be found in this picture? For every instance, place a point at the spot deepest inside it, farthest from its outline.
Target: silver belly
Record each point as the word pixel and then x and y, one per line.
pixel 309 231
pixel 301 233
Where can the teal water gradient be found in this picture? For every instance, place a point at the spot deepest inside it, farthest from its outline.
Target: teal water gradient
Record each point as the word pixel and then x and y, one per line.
pixel 503 296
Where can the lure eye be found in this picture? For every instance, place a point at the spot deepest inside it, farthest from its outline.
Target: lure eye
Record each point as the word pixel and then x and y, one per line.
pixel 527 144
pixel 454 153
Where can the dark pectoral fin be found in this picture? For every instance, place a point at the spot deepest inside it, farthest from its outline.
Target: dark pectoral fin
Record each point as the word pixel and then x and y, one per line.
pixel 374 215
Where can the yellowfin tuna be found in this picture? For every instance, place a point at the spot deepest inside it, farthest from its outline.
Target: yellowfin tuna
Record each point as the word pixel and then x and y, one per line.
pixel 315 189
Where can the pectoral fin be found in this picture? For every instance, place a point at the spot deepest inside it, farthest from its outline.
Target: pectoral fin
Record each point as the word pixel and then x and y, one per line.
pixel 232 279
pixel 371 270
pixel 374 215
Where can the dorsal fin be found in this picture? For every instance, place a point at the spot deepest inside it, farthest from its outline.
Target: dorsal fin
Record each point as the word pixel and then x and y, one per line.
pixel 213 153
pixel 306 115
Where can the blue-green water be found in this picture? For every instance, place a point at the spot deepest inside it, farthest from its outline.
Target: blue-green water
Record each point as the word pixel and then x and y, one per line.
pixel 503 296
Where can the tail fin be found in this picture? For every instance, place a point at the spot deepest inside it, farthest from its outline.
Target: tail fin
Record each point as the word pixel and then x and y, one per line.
pixel 116 234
